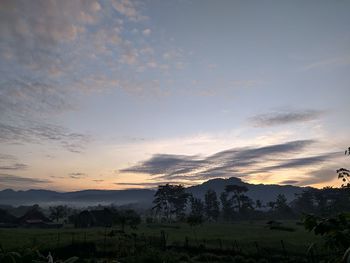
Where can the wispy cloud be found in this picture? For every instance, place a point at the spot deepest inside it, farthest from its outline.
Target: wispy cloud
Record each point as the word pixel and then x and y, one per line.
pixel 330 62
pixel 167 164
pixel 14 180
pixel 285 117
pixel 11 163
pixel 129 9
pixel 324 174
pixel 77 175
pixel 150 184
pixel 98 180
pixel 234 162
pixel 289 182
pixel 15 166
pixel 39 132
pixel 24 96
pixel 7 157
pixel 300 162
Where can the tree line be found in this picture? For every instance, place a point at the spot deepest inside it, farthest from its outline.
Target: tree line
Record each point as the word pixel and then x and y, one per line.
pixel 173 204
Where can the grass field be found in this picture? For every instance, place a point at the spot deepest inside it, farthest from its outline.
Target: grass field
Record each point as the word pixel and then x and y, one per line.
pixel 246 235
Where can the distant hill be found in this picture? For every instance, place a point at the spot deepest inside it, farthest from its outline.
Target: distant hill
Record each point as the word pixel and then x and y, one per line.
pixel 263 192
pixel 78 198
pixel 142 197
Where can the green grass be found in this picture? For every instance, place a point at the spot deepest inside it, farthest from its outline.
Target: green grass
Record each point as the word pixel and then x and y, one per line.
pixel 244 233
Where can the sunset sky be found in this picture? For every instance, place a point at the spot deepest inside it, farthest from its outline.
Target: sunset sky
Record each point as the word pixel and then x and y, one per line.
pixel 116 94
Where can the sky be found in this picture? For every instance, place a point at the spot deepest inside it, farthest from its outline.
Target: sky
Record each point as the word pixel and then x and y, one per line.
pixel 118 94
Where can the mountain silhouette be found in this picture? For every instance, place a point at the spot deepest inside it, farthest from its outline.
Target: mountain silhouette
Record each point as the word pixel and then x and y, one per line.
pixel 142 197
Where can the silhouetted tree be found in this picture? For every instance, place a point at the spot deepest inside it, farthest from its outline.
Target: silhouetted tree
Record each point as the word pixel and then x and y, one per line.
pixel 127 217
pixel 211 205
pixel 58 212
pixel 227 209
pixel 271 205
pixel 239 199
pixel 281 206
pixel 344 174
pixel 170 200
pixel 304 203
pixel 246 204
pixel 197 211
pixel 258 204
pixel 281 202
pixel 335 229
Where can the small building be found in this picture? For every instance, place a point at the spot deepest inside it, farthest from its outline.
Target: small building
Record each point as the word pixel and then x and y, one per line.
pixel 34 218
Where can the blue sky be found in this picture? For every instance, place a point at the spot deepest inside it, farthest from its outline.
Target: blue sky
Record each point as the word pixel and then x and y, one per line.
pixel 118 94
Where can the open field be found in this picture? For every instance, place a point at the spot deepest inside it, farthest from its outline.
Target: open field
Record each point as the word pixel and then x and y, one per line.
pixel 244 235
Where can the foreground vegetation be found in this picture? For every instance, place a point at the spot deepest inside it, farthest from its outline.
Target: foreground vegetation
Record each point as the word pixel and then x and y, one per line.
pixel 255 238
pixel 244 234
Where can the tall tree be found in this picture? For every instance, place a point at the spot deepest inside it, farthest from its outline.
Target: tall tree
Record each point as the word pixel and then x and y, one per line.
pixel 281 205
pixel 211 205
pixel 58 212
pixel 304 203
pixel 197 211
pixel 281 201
pixel 126 217
pixel 258 204
pixel 179 200
pixel 227 209
pixel 239 199
pixel 162 201
pixel 170 200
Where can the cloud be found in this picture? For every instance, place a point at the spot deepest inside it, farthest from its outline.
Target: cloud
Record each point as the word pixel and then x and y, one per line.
pixel 233 162
pixel 146 32
pixel 11 163
pixel 151 185
pixel 54 53
pixel 166 164
pixel 77 175
pixel 299 162
pixel 98 181
pixel 24 97
pixel 281 118
pixel 129 9
pixel 324 174
pixel 289 182
pixel 13 180
pixel 32 30
pixel 15 166
pixel 39 132
pixel 50 47
pixel 330 62
pixel 7 157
